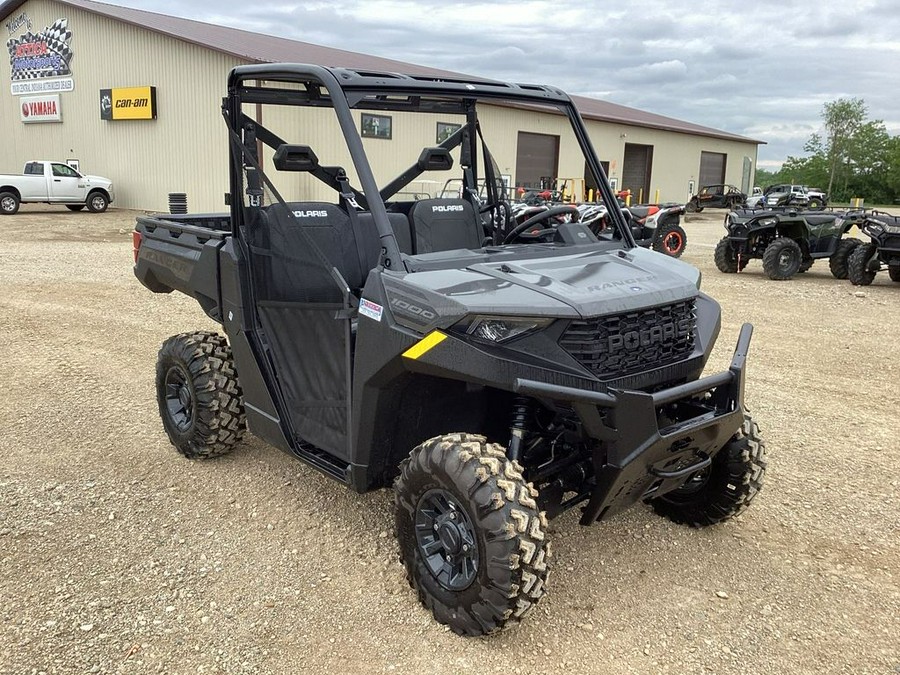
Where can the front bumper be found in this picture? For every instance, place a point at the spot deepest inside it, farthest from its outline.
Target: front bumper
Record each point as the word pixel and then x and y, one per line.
pixel 634 457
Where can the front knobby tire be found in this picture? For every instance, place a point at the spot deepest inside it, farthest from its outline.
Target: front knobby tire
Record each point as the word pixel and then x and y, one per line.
pixel 782 259
pixel 726 257
pixel 458 491
pixel 198 393
pixel 838 261
pixel 725 488
pixel 858 265
pixel 671 240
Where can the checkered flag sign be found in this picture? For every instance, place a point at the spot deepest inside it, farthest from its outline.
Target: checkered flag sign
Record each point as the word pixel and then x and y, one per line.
pixel 45 54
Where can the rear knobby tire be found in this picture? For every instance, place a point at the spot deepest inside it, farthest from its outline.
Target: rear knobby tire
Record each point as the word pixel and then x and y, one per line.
pixel 894 273
pixel 671 240
pixel 839 259
pixel 501 519
pixel 806 265
pixel 858 265
pixel 782 259
pixel 198 393
pixel 726 257
pixel 724 489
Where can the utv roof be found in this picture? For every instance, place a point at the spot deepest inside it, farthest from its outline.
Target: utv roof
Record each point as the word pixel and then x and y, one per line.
pixel 373 82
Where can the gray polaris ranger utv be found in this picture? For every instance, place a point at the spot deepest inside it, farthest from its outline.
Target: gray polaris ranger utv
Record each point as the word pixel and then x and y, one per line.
pixel 495 374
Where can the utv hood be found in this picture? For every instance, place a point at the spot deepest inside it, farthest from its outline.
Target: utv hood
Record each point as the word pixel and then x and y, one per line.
pixel 580 285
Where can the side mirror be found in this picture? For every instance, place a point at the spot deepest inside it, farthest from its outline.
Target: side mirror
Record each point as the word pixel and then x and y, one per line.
pixel 435 159
pixel 295 158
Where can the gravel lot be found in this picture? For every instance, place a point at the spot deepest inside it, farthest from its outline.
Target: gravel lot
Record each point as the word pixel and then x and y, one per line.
pixel 119 556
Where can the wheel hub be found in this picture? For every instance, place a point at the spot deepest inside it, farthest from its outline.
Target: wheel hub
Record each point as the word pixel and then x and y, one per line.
pixel 179 398
pixel 446 540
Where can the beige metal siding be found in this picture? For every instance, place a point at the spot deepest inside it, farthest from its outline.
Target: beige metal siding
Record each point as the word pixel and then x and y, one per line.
pixel 183 150
pixel 676 156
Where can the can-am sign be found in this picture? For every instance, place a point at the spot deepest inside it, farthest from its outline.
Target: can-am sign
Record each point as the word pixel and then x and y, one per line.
pixel 41 109
pixel 42 62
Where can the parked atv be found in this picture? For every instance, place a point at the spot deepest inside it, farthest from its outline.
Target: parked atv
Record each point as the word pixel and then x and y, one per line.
pixel 431 346
pixel 788 242
pixel 656 226
pixel 882 252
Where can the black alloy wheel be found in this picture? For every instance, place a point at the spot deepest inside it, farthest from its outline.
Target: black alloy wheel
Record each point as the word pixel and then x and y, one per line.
pixel 179 395
pixel 446 540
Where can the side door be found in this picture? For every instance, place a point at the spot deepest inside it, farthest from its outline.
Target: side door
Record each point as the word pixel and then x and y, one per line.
pixel 303 314
pixel 33 185
pixel 66 184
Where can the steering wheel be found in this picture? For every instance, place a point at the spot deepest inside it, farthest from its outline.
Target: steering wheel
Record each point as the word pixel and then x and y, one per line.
pixel 539 218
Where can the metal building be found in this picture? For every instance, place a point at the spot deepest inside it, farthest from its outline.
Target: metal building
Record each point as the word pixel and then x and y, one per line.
pixel 135 96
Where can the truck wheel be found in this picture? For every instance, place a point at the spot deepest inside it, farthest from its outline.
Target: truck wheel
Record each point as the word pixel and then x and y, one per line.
pixel 199 397
pixel 782 259
pixel 838 261
pixel 858 265
pixel 815 204
pixel 671 240
pixel 725 488
pixel 726 257
pixel 97 202
pixel 75 207
pixel 470 534
pixel 9 203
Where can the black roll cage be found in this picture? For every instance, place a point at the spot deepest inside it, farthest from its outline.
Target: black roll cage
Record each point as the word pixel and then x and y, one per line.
pixel 345 88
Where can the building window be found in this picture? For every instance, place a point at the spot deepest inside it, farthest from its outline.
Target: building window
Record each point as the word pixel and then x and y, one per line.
pixel 376 126
pixel 445 130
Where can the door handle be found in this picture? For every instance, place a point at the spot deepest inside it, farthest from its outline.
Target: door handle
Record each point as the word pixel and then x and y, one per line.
pixel 57 180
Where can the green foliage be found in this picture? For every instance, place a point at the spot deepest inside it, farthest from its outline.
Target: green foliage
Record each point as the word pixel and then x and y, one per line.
pixel 854 157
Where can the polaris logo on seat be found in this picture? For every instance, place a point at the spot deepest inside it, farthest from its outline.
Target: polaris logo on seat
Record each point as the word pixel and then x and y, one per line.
pixel 647 337
pixel 447 208
pixel 310 214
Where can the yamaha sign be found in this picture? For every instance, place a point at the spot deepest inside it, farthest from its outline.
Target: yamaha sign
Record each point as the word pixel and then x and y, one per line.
pixel 36 109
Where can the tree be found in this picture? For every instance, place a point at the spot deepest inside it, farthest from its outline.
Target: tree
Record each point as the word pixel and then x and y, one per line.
pixel 843 118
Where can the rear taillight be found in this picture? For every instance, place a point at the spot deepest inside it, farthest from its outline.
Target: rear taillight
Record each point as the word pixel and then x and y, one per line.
pixel 136 243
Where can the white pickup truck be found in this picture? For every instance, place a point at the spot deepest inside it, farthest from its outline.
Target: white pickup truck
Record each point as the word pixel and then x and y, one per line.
pixel 54 183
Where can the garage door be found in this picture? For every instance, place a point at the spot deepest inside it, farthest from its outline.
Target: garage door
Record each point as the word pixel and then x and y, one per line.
pixel 636 169
pixel 712 168
pixel 537 158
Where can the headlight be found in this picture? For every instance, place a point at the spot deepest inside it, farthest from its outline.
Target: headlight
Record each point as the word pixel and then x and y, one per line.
pixel 498 328
pixel 766 222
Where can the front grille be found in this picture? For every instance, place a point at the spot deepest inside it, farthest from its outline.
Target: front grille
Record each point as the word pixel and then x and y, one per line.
pixel 624 344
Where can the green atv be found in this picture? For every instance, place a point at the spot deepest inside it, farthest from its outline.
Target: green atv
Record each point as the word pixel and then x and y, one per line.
pixel 881 253
pixel 787 241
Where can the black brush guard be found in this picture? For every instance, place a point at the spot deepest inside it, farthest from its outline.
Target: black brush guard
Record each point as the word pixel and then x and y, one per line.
pixel 632 463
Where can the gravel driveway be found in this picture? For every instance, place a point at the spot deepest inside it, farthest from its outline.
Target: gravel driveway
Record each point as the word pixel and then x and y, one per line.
pixel 119 556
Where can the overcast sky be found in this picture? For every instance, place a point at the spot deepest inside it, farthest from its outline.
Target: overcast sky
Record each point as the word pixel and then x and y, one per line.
pixel 761 69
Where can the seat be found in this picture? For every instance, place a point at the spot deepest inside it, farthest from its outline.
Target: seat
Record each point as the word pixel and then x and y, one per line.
pixel 445 225
pixel 297 273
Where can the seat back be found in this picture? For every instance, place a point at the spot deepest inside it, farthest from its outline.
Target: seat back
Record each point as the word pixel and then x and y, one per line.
pixel 445 225
pixel 297 272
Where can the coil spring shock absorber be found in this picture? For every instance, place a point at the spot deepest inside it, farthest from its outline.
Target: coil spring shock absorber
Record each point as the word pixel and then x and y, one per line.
pixel 518 426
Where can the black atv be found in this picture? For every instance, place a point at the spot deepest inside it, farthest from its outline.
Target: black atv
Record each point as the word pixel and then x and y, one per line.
pixel 882 252
pixel 787 241
pixel 493 380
